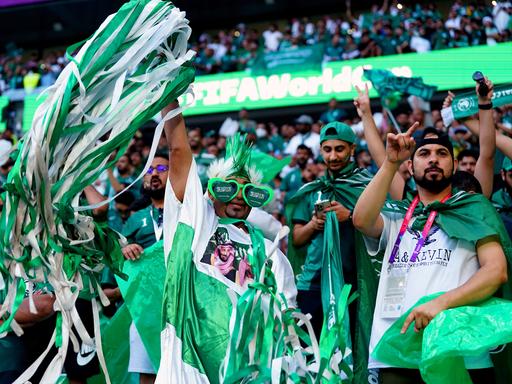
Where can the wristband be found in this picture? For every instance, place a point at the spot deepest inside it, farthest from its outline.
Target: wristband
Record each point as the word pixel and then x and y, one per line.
pixel 485 107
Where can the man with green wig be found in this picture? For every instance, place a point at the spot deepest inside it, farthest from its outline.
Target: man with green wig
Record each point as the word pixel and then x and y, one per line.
pixel 212 253
pixel 321 214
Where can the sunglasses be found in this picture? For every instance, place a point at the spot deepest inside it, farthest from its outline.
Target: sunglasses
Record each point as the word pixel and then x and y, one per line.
pixel 159 169
pixel 226 190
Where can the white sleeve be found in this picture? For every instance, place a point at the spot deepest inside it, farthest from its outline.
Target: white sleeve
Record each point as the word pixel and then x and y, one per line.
pixel 267 223
pixel 291 148
pixel 192 211
pixel 375 245
pixel 285 279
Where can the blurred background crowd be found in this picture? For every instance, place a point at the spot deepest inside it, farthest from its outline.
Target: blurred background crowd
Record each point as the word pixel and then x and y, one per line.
pixel 384 29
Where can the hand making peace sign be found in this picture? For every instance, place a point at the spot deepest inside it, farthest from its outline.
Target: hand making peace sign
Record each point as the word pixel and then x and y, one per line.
pixel 362 101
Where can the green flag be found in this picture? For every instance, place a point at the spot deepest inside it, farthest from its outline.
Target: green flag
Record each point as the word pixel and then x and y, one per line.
pixel 143 295
pixel 391 87
pixel 300 59
pixel 439 350
pixel 268 165
pixel 466 104
pixel 346 189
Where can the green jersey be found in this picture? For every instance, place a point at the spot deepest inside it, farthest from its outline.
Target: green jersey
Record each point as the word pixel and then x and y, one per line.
pixel 291 183
pixel 141 227
pixel 310 277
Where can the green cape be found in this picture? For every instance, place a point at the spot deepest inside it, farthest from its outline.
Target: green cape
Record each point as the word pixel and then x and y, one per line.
pixel 346 189
pixel 470 217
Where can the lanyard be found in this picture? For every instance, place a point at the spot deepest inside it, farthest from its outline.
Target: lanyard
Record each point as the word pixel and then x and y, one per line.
pixel 424 233
pixel 157 228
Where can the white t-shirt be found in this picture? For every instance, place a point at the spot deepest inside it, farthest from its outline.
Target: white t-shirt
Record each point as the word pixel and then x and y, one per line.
pixel 218 249
pixel 310 139
pixel 443 264
pixel 420 44
pixel 272 39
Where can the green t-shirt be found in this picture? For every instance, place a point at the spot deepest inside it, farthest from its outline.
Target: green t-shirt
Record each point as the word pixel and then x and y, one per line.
pixel 140 229
pixel 277 142
pixel 265 145
pixel 310 277
pixel 291 183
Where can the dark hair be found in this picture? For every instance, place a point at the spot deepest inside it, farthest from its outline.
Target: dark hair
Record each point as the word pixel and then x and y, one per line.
pixel 467 153
pixel 126 198
pixel 162 155
pixel 141 203
pixel 465 181
pixel 305 147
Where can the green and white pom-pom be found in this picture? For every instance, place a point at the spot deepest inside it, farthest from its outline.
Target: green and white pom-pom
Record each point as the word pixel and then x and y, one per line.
pixel 275 344
pixel 133 65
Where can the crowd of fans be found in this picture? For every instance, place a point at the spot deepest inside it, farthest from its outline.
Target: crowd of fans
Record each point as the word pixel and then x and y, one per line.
pixel 385 30
pixel 297 139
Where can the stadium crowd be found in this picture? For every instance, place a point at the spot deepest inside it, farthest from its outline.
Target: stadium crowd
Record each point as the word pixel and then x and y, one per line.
pixel 385 30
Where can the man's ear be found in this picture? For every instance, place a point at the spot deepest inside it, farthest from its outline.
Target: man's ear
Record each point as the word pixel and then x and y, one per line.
pixel 503 175
pixel 352 150
pixel 409 167
pixel 455 165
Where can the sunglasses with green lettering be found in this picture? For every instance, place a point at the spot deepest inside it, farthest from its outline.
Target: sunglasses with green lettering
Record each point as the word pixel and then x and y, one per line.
pixel 254 195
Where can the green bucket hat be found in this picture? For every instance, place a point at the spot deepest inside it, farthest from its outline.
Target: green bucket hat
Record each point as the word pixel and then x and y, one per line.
pixel 337 131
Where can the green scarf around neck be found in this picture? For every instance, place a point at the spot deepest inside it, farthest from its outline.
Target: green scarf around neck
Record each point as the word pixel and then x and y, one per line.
pixel 344 187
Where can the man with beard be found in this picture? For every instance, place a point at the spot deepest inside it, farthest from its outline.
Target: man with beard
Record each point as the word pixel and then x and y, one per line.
pixel 502 199
pixel 438 240
pixel 324 240
pixel 143 229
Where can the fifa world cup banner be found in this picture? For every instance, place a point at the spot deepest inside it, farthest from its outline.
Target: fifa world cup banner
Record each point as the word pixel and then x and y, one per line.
pixel 304 58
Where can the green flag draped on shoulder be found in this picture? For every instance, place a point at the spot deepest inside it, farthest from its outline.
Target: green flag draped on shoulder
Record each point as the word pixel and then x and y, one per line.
pixel 462 331
pixel 123 75
pixel 346 189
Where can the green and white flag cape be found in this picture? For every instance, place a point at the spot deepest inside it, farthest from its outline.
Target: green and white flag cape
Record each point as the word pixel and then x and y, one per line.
pixel 133 65
pixel 346 189
pixel 216 331
pixel 462 331
pixel 466 104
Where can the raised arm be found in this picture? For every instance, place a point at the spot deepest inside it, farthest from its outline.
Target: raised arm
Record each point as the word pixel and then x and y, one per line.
pixel 180 154
pixel 366 217
pixel 94 197
pixel 484 170
pixel 374 141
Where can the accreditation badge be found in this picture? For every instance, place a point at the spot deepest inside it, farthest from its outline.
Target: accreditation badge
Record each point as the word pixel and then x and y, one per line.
pixel 394 297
